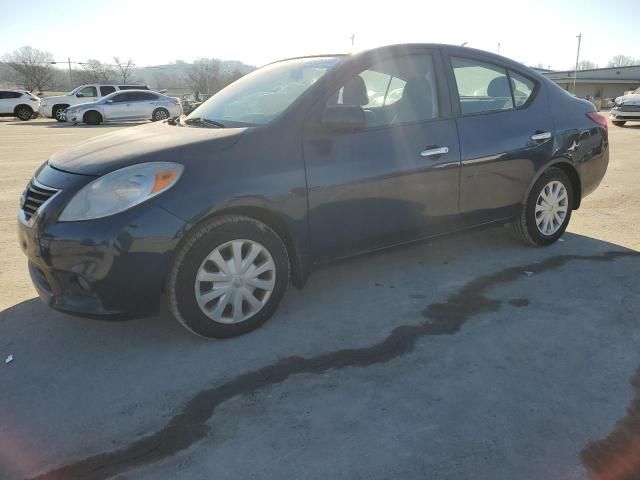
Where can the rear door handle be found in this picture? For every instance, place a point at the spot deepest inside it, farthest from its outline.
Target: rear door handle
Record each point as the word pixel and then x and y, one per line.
pixel 537 137
pixel 434 152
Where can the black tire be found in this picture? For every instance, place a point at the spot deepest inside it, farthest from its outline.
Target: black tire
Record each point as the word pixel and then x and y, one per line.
pixel 23 112
pixel 58 112
pixel 619 124
pixel 92 118
pixel 160 114
pixel 525 226
pixel 200 243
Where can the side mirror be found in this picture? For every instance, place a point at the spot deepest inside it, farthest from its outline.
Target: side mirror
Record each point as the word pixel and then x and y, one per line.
pixel 343 118
pixel 109 101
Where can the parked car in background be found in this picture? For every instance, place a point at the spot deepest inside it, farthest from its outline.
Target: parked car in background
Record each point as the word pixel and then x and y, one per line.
pixel 299 163
pixel 125 106
pixel 18 103
pixel 626 109
pixel 54 107
pixel 191 101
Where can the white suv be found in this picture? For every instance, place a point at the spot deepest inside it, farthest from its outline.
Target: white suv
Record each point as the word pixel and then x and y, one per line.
pixel 18 103
pixel 54 107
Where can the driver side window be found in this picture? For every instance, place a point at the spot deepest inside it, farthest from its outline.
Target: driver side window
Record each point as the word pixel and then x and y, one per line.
pixel 87 92
pixel 393 91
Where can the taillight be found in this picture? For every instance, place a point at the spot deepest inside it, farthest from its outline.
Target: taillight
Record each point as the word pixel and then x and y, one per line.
pixel 599 119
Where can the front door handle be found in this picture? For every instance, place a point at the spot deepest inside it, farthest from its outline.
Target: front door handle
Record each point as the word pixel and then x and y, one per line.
pixel 434 152
pixel 538 137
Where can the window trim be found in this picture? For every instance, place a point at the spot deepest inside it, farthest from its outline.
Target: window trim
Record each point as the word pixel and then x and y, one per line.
pixel 455 100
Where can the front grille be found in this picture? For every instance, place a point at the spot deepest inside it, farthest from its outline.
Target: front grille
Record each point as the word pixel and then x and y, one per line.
pixel 629 108
pixel 34 196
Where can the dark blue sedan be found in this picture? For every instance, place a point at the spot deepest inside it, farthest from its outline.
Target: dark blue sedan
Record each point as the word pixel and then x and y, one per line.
pixel 301 162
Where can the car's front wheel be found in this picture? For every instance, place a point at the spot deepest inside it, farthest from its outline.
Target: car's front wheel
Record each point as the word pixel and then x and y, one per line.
pixel 58 113
pixel 546 213
pixel 92 118
pixel 228 277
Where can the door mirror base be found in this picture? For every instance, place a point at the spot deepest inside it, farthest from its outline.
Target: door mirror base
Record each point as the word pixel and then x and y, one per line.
pixel 343 118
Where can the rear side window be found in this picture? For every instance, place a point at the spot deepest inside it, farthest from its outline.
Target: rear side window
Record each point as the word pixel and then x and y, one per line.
pixel 522 88
pixel 482 87
pixel 122 97
pixel 107 90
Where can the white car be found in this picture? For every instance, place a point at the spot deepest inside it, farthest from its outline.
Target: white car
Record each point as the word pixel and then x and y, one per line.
pixel 54 107
pixel 626 109
pixel 18 103
pixel 128 105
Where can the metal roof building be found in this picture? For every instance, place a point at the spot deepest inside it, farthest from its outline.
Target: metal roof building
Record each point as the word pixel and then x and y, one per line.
pixel 598 82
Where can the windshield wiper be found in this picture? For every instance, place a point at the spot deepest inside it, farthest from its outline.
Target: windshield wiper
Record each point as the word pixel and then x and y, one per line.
pixel 202 121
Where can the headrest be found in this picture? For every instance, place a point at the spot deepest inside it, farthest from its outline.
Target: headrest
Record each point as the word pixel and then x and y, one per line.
pixel 499 88
pixel 355 92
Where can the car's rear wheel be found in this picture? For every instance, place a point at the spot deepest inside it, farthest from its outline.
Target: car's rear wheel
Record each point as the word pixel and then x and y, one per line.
pixel 24 113
pixel 160 114
pixel 58 113
pixel 92 118
pixel 619 123
pixel 228 277
pixel 546 213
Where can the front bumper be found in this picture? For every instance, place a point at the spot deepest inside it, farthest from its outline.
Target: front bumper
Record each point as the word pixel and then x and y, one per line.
pixel 73 117
pixel 620 115
pixel 110 268
pixel 45 111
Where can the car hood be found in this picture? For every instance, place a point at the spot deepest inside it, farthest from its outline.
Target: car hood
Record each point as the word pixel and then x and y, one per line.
pixel 159 142
pixel 55 98
pixel 85 105
pixel 633 99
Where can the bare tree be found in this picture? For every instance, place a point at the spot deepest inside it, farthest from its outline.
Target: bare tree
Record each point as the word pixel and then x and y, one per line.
pixel 125 69
pixel 93 71
pixel 203 75
pixel 623 61
pixel 586 65
pixel 32 68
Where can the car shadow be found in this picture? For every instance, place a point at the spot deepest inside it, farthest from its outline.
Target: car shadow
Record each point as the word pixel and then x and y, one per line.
pixel 121 377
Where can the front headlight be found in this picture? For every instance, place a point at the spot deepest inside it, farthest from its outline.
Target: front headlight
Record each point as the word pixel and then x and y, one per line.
pixel 122 189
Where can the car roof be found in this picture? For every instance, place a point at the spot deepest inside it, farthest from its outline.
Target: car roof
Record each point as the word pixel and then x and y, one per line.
pixel 407 47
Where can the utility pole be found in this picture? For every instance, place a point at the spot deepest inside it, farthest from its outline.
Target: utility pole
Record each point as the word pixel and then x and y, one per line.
pixel 575 73
pixel 353 39
pixel 70 77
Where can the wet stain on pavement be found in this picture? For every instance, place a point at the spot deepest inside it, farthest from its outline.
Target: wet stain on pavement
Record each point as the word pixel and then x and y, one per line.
pixel 190 425
pixel 617 457
pixel 519 302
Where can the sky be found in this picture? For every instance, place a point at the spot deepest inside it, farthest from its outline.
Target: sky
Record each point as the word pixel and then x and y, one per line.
pixel 257 32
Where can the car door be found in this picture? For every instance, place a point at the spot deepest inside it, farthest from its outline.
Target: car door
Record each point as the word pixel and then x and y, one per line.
pixel 506 134
pixel 144 105
pixel 87 94
pixel 118 107
pixel 396 179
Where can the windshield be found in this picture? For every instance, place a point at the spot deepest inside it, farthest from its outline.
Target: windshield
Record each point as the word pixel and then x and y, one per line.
pixel 72 92
pixel 260 96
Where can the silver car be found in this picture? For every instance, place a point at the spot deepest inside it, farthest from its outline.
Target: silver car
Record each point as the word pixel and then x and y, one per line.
pixel 124 106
